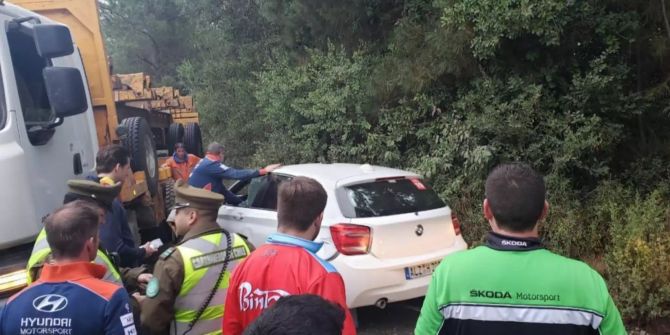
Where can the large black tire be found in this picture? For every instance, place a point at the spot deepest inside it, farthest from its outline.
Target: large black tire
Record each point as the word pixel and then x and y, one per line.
pixel 175 135
pixel 146 218
pixel 193 139
pixel 134 227
pixel 168 196
pixel 140 144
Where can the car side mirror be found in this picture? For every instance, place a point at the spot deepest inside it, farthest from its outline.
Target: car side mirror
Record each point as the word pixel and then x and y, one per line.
pixel 52 40
pixel 65 90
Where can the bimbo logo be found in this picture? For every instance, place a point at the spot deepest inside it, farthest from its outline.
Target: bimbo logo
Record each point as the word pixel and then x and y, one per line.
pixel 251 298
pixel 50 303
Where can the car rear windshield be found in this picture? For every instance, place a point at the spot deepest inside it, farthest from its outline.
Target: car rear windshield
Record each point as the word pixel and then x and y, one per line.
pixel 388 197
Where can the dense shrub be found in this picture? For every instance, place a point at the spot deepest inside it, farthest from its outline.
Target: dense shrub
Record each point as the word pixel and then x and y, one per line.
pixel 638 257
pixel 448 88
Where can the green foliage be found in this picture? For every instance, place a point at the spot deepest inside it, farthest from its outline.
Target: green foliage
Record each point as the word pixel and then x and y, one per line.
pixel 638 259
pixel 321 106
pixel 231 43
pixel 490 21
pixel 149 35
pixel 578 89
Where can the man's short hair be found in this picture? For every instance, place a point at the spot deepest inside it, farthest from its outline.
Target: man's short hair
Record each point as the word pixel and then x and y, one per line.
pixel 215 148
pixel 305 314
pixel 301 200
pixel 179 145
pixel 69 227
pixel 516 195
pixel 109 156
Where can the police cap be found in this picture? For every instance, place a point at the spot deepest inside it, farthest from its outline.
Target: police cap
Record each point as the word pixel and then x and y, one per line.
pixel 87 188
pixel 189 196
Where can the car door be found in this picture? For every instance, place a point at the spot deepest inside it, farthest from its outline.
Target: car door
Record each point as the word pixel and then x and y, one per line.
pixel 256 217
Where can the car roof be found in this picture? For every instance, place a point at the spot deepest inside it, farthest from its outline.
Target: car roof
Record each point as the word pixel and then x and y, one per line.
pixel 342 173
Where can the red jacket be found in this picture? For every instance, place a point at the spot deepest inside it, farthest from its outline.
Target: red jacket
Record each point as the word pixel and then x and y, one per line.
pixel 285 265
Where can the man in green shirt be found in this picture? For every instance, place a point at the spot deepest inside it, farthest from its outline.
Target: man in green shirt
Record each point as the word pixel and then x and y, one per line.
pixel 512 285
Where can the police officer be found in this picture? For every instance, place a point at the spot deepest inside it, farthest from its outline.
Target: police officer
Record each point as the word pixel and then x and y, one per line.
pixel 188 292
pixel 102 195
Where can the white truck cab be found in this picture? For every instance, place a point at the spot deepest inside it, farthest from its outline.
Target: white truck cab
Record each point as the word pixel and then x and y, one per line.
pixel 47 131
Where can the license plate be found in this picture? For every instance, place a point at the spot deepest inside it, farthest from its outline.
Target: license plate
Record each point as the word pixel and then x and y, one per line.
pixel 422 270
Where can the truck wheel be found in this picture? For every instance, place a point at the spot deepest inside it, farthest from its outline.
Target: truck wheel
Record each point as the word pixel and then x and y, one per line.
pixel 175 135
pixel 193 139
pixel 140 144
pixel 134 227
pixel 168 196
pixel 146 218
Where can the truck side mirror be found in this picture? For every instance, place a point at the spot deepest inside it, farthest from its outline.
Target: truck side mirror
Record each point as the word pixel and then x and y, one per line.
pixel 65 90
pixel 52 40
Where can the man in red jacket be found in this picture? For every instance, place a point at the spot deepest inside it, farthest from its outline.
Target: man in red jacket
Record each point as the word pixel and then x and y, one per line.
pixel 288 263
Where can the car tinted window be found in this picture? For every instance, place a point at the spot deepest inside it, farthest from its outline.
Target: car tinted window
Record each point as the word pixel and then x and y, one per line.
pixel 388 197
pixel 263 191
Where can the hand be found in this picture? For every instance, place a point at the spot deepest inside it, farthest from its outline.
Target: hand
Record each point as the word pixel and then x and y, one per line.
pixel 272 167
pixel 148 249
pixel 143 279
pixel 140 298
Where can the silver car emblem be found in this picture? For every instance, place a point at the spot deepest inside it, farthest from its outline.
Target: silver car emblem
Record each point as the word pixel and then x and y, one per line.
pixel 419 230
pixel 50 303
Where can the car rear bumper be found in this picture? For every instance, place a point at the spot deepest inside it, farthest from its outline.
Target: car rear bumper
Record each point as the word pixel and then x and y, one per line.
pixel 368 279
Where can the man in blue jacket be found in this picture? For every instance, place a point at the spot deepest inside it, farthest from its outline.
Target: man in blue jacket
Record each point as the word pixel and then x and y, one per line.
pixel 210 173
pixel 70 297
pixel 113 166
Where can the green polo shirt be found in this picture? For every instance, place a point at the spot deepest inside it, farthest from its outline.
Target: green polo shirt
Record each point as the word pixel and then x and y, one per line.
pixel 515 286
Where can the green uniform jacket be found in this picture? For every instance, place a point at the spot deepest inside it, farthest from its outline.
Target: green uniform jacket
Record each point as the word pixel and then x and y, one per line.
pixel 514 286
pixel 164 311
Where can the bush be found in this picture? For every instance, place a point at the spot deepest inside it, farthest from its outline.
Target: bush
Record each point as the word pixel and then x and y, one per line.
pixel 622 233
pixel 638 258
pixel 638 270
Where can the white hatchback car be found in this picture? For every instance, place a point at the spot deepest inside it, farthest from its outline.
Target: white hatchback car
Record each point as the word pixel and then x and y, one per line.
pixel 384 229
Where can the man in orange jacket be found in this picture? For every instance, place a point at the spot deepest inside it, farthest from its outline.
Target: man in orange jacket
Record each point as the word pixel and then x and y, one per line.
pixel 181 163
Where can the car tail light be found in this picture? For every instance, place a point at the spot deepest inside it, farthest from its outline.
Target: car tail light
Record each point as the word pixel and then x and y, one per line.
pixel 351 239
pixel 456 223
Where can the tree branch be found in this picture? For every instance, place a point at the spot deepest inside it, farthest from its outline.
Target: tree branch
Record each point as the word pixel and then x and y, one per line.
pixel 149 62
pixel 665 18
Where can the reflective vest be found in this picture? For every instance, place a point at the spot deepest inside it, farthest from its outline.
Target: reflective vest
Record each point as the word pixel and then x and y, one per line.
pixel 41 252
pixel 203 259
